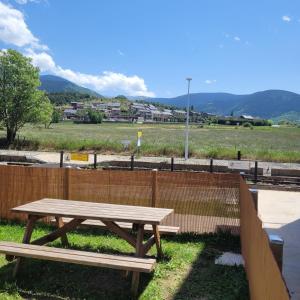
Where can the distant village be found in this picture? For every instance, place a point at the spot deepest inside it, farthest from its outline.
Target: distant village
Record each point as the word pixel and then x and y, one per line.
pixel 134 112
pixel 137 112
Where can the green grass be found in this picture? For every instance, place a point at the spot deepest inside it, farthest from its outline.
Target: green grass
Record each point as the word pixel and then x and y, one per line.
pixel 186 272
pixel 263 143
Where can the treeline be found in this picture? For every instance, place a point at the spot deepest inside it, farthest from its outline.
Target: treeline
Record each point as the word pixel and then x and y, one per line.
pixel 241 121
pixel 59 99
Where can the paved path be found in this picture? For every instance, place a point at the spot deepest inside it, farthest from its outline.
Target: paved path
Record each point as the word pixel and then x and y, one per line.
pixel 280 213
pixel 54 158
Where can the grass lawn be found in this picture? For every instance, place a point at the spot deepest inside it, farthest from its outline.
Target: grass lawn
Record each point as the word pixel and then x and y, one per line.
pixel 264 143
pixel 187 271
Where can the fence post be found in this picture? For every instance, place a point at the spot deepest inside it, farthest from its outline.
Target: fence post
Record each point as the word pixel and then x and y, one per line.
pixel 154 187
pixel 172 164
pixel 67 183
pixel 61 164
pixel 276 245
pixel 95 160
pixel 255 171
pixel 239 155
pixel 132 163
pixel 254 194
pixel 211 166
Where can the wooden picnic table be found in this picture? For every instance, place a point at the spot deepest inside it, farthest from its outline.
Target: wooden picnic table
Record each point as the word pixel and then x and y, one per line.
pixel 108 214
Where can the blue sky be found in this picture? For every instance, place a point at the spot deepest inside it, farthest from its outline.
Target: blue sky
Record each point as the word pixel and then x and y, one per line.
pixel 148 48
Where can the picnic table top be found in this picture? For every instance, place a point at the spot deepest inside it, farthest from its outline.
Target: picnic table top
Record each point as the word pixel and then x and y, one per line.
pixel 95 211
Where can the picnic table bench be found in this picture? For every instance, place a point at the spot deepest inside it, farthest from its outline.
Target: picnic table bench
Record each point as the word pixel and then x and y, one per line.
pixel 70 214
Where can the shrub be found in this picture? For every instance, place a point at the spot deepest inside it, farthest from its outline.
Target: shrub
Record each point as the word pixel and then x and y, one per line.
pixel 247 124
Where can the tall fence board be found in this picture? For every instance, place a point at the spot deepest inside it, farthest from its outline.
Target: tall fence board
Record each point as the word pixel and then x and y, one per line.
pixel 264 276
pixel 20 185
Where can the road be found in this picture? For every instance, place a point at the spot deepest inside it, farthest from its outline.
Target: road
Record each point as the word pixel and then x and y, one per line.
pixel 54 158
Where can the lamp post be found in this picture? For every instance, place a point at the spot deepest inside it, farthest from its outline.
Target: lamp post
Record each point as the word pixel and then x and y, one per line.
pixel 186 148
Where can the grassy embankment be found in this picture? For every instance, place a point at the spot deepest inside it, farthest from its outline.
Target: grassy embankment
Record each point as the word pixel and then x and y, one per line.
pixel 263 143
pixel 186 272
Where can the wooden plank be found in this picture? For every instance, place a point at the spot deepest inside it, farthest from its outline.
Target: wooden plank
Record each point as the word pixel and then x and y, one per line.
pixel 26 239
pixel 139 252
pixel 148 245
pixel 121 232
pixel 154 188
pixel 128 226
pixel 78 257
pixel 104 207
pixel 87 210
pixel 64 238
pixel 58 233
pixel 93 205
pixel 157 241
pixel 74 252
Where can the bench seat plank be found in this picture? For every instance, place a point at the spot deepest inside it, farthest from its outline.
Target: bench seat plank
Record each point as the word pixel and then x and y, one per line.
pixel 148 228
pixel 119 262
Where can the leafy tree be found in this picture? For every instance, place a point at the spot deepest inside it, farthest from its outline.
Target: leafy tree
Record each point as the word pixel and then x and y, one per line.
pixel 95 117
pixel 56 116
pixel 20 100
pixel 43 112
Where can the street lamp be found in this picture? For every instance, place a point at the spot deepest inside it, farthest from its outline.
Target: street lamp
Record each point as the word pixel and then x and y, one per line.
pixel 186 148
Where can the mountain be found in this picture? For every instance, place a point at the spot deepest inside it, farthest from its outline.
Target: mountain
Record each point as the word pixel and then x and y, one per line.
pixel 270 104
pixel 56 84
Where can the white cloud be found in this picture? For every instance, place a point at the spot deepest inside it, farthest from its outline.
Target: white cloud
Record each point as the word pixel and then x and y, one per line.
pixel 107 82
pixel 120 53
pixel 210 81
pixel 22 2
pixel 42 60
pixel 14 30
pixel 237 39
pixel 286 18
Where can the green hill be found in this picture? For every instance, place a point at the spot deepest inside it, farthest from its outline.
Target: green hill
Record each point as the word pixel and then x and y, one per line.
pixel 270 104
pixel 55 84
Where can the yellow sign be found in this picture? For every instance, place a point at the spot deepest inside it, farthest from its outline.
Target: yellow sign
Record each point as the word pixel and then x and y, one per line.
pixel 140 133
pixel 80 156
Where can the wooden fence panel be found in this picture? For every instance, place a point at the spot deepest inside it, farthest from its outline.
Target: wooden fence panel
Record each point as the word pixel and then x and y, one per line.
pixel 20 185
pixel 202 202
pixel 264 276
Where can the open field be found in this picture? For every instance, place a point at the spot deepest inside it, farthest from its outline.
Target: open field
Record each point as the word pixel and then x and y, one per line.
pixel 184 273
pixel 263 143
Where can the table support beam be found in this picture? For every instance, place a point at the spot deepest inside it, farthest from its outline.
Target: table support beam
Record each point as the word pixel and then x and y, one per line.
pixel 64 238
pixel 26 239
pixel 139 252
pixel 121 232
pixel 58 233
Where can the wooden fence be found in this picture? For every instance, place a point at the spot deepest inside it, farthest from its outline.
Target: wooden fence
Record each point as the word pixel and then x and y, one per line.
pixel 264 276
pixel 202 202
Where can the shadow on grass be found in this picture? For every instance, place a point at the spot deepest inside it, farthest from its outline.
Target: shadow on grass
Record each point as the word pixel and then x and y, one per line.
pixel 205 279
pixel 54 280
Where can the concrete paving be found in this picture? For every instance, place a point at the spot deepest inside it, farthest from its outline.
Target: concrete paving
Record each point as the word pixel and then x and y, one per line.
pixel 280 213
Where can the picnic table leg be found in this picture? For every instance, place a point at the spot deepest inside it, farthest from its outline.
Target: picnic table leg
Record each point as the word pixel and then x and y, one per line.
pixel 26 239
pixel 138 253
pixel 157 241
pixel 64 238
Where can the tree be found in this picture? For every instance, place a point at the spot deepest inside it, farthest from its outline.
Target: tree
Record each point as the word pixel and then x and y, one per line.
pixel 44 112
pixel 20 100
pixel 56 116
pixel 95 117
